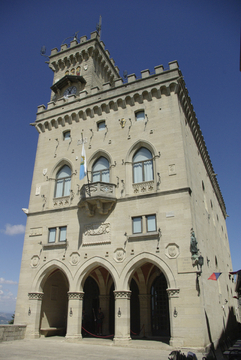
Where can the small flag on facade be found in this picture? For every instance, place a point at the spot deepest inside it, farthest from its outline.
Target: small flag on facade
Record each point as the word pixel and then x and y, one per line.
pixel 214 276
pixel 82 171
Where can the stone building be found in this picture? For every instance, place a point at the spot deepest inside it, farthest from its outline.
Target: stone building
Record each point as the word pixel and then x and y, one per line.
pixel 141 233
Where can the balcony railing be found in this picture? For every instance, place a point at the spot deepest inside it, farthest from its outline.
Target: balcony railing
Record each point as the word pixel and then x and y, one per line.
pixel 98 196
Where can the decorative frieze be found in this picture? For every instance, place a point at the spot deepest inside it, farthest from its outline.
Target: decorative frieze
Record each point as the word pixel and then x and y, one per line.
pixel 143 187
pixel 77 295
pixel 61 202
pixel 124 294
pixel 35 296
pixel 173 293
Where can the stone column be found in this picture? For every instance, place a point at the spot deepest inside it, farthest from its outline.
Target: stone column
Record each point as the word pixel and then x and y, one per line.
pixel 104 305
pixel 145 314
pixel 74 320
pixel 122 315
pixel 175 338
pixel 34 312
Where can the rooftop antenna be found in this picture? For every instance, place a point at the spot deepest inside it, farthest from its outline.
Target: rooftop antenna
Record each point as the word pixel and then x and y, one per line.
pixel 43 52
pixel 98 26
pixel 74 37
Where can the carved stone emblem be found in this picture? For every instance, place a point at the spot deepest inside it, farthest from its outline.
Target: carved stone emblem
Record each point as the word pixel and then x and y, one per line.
pixel 96 233
pixel 119 255
pixel 34 261
pixel 97 229
pixel 172 251
pixel 74 258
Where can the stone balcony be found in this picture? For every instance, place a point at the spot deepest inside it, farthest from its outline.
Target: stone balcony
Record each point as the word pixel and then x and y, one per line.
pixel 98 196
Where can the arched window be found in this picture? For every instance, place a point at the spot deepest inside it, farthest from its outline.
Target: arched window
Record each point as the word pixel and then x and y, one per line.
pixel 100 170
pixel 142 166
pixel 63 182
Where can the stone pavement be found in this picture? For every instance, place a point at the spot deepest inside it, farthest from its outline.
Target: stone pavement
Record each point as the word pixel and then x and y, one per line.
pixel 92 349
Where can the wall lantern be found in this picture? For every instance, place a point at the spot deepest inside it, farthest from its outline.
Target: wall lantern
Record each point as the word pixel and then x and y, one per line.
pixel 119 313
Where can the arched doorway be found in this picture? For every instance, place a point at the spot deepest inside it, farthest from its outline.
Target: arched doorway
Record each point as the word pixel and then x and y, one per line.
pixel 90 305
pixel 98 293
pixel 54 304
pixel 149 307
pixel 160 323
pixel 135 309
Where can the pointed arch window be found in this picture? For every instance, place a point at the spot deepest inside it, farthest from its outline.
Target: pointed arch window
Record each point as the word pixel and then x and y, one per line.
pixel 142 166
pixel 63 182
pixel 101 170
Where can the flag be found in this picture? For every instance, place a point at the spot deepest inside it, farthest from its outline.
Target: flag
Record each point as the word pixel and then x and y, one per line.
pixel 82 171
pixel 214 276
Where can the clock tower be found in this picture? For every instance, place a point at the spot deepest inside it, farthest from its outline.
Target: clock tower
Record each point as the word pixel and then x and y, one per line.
pixel 81 68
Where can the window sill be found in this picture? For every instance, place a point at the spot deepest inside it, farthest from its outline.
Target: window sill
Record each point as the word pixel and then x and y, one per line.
pixel 146 236
pixel 55 245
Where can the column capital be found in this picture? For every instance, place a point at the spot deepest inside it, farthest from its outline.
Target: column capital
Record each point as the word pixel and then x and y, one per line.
pixel 75 295
pixel 35 295
pixel 123 294
pixel 173 293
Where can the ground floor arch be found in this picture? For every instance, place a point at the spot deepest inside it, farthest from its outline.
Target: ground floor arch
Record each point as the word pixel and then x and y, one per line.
pixel 98 302
pixel 149 303
pixel 54 307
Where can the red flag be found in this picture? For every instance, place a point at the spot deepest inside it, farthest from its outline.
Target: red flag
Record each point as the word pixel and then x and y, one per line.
pixel 214 276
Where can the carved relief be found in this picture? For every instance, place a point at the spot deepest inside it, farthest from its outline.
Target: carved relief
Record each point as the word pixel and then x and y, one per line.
pixel 172 251
pixel 172 169
pixel 74 258
pixel 96 233
pixel 173 293
pixel 34 261
pixel 119 255
pixel 97 229
pixel 106 188
pixel 61 202
pixel 36 231
pixel 143 187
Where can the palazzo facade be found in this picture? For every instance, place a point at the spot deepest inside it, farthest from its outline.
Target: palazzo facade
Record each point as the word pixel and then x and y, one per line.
pixel 141 233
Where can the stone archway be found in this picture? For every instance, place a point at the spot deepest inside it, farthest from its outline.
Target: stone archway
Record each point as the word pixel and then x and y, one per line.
pixel 54 308
pixel 149 296
pixel 98 287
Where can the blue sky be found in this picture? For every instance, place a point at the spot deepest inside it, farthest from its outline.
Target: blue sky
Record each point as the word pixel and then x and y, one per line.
pixel 202 35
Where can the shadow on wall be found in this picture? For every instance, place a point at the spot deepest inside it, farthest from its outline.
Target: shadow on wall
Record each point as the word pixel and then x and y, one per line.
pixel 230 333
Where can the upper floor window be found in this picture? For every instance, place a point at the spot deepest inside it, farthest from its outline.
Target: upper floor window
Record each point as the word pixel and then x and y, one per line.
pixel 100 170
pixel 142 166
pixel 66 135
pixel 63 182
pixel 57 234
pixel 144 224
pixel 101 125
pixel 140 115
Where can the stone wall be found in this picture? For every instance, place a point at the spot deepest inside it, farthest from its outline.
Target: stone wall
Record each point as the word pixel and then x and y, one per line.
pixel 12 332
